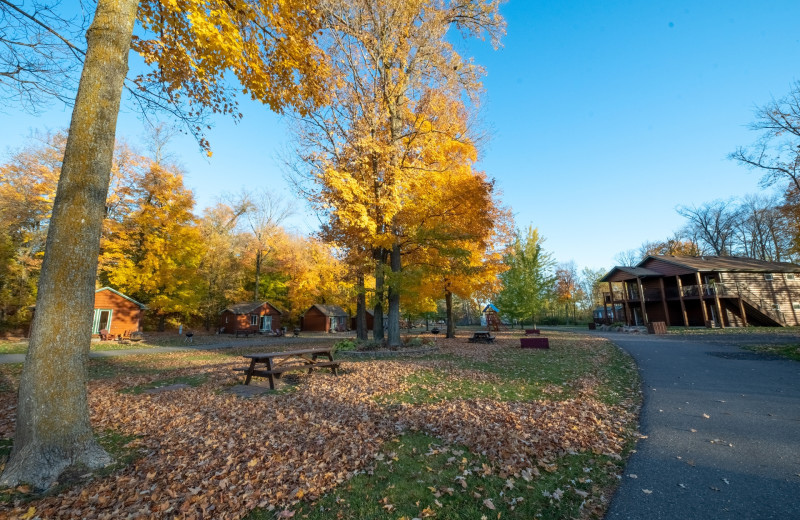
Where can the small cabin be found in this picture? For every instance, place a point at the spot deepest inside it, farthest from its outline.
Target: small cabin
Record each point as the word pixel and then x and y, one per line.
pixel 370 319
pixel 324 318
pixel 252 316
pixel 116 312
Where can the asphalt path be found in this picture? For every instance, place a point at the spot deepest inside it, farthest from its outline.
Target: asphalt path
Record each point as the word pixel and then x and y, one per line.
pixel 720 427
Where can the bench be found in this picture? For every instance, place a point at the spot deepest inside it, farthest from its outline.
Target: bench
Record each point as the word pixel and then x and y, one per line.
pixel 481 337
pixel 276 363
pixel 532 331
pixel 242 332
pixel 534 342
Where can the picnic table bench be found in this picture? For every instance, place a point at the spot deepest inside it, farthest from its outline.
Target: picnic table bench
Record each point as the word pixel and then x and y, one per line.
pixel 482 337
pixel 277 363
pixel 243 332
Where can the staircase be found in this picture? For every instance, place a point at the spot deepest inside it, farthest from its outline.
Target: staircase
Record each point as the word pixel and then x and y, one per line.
pixel 758 311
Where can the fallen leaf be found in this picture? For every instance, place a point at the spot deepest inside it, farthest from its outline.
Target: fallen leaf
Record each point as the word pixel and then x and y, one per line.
pixel 647 491
pixel 488 503
pixel 29 515
pixel 633 476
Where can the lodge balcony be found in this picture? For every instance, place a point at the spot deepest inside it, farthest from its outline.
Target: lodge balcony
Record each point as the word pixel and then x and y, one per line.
pixel 632 295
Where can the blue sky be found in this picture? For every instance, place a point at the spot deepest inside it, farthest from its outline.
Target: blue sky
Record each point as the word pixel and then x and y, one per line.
pixel 605 116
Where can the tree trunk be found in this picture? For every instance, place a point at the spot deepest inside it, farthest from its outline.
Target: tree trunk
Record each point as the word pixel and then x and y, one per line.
pixel 53 430
pixel 361 309
pixel 393 329
pixel 377 325
pixel 451 328
pixel 258 274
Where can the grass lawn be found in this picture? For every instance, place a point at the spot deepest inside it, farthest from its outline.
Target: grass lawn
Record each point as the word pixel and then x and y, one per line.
pixel 787 351
pixel 21 347
pixel 472 431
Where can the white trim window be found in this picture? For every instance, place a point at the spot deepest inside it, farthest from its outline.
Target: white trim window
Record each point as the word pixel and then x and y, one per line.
pixel 254 320
pixel 768 277
pixel 796 306
pixel 790 276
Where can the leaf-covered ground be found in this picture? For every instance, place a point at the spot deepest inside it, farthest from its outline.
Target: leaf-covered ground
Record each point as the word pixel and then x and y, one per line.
pixel 202 452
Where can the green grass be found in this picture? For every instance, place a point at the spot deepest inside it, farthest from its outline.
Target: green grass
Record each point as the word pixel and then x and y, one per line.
pixel 195 380
pixel 787 351
pixel 418 477
pixel 733 330
pixel 21 347
pixel 524 375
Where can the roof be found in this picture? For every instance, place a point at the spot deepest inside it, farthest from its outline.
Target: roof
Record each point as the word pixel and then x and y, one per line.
pixel 491 308
pixel 248 307
pixel 621 272
pixel 704 264
pixel 727 264
pixel 141 305
pixel 329 310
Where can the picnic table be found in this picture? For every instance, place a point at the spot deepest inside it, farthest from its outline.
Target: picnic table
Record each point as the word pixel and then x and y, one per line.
pixel 275 363
pixel 481 337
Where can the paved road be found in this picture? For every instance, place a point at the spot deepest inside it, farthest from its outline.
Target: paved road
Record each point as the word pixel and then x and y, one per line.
pixel 722 429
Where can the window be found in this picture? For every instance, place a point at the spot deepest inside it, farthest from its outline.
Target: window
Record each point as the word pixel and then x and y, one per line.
pixel 253 320
pixel 796 306
pixel 776 307
pixel 790 276
pixel 768 277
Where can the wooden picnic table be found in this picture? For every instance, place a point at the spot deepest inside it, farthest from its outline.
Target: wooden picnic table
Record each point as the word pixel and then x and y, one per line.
pixel 481 337
pixel 279 362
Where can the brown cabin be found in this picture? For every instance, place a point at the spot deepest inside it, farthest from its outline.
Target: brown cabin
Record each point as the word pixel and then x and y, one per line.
pixel 252 316
pixel 116 313
pixel 719 291
pixel 324 318
pixel 370 319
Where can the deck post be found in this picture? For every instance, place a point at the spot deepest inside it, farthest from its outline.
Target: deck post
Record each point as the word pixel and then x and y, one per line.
pixel 741 305
pixel 641 301
pixel 701 297
pixel 683 305
pixel 664 301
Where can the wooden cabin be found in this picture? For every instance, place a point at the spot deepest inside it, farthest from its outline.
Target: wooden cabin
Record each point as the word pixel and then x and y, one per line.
pixel 324 318
pixel 116 313
pixel 251 316
pixel 370 319
pixel 718 291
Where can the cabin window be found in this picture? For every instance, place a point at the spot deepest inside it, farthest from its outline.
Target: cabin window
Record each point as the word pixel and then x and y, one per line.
pixel 776 307
pixel 768 277
pixel 796 306
pixel 226 319
pixel 253 320
pixel 790 276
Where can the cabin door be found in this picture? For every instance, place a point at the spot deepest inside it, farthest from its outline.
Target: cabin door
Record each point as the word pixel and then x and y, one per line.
pixel 102 320
pixel 266 323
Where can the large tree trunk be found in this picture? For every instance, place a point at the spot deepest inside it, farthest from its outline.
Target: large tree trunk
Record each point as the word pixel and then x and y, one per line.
pixel 451 328
pixel 377 312
pixel 393 327
pixel 361 309
pixel 53 429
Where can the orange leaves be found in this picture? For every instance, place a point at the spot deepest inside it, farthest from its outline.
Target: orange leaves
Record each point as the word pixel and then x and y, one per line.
pixel 204 452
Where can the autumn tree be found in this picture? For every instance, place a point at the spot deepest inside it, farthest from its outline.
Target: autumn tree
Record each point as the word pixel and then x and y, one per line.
pixel 271 50
pixel 362 152
pixel 153 252
pixel 262 213
pixel 527 283
pixel 222 267
pixel 567 289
